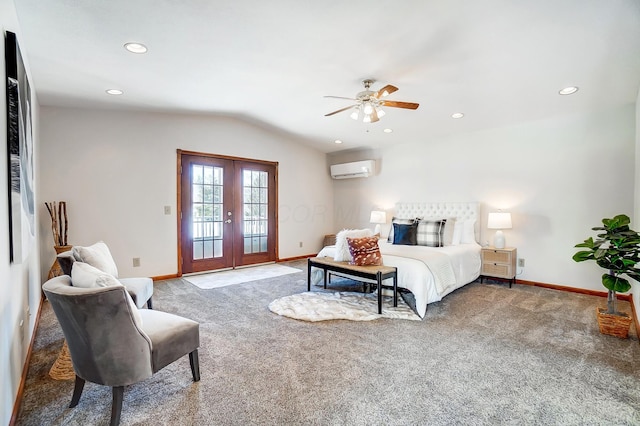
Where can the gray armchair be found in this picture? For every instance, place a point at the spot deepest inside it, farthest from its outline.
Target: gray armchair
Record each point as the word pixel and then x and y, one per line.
pixel 111 344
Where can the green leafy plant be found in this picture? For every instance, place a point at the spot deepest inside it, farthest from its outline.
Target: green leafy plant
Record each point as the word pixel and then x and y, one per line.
pixel 617 249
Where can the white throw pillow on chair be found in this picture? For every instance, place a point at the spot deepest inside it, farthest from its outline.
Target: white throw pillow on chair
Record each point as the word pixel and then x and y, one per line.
pixel 98 256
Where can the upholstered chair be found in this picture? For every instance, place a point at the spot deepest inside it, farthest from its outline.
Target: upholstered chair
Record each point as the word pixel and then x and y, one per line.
pixel 113 343
pixel 140 288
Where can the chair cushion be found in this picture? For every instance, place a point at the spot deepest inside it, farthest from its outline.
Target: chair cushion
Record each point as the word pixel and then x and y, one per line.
pixel 97 255
pixel 171 336
pixel 140 289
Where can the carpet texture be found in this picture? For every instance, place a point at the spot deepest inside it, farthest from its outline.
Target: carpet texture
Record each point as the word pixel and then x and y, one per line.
pixel 241 275
pixel 315 306
pixel 486 354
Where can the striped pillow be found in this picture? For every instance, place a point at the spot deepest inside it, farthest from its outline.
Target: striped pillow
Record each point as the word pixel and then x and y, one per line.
pixel 431 233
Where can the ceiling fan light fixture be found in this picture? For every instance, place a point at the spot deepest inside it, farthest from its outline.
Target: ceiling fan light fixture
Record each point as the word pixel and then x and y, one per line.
pixel 368 108
pixel 367 103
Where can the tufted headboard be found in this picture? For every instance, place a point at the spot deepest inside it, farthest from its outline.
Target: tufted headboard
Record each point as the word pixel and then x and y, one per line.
pixel 459 210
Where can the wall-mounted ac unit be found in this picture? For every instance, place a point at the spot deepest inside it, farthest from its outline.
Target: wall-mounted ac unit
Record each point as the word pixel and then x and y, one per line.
pixel 353 170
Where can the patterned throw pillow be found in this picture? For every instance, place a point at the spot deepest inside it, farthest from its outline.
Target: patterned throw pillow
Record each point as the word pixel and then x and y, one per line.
pixel 365 251
pixel 405 235
pixel 431 233
pixel 342 253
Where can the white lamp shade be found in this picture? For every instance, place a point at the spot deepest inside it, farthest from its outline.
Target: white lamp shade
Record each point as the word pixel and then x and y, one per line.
pixel 378 216
pixel 499 220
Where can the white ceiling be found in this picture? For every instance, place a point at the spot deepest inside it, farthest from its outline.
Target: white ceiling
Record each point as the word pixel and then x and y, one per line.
pixel 500 62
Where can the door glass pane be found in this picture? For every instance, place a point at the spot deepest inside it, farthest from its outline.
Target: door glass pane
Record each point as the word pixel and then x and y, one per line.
pixel 255 221
pixel 206 184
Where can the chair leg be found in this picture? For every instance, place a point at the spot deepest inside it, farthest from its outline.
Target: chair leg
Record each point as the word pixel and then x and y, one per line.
pixel 77 392
pixel 116 407
pixel 149 304
pixel 195 365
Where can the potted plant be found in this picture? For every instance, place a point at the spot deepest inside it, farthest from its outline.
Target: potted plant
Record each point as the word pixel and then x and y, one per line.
pixel 616 249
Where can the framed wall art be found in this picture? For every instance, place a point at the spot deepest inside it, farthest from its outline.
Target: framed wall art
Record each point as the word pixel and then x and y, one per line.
pixel 20 152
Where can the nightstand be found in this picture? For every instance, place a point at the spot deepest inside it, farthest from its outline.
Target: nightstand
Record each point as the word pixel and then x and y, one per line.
pixel 329 240
pixel 499 263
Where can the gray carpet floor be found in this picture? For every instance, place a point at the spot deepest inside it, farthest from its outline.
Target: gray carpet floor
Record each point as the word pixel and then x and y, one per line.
pixel 487 354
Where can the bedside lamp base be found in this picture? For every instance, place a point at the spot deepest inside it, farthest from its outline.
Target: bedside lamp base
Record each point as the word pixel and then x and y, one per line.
pixel 498 239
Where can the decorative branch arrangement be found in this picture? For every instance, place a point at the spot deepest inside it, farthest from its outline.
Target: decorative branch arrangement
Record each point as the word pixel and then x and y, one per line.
pixel 58 213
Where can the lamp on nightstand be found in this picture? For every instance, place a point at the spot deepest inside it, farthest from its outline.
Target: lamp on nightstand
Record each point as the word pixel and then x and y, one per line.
pixel 378 217
pixel 499 221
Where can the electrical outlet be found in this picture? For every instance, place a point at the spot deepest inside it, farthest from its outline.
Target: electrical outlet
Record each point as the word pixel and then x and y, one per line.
pixel 136 262
pixel 167 209
pixel 521 263
pixel 300 243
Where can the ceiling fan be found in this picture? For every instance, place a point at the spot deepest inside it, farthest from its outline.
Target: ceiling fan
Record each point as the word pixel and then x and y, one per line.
pixel 369 103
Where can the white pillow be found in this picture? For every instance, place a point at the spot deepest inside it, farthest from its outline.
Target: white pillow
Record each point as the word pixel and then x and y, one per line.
pixel 449 227
pixel 84 275
pixel 342 247
pixel 97 255
pixel 468 232
pixel 457 232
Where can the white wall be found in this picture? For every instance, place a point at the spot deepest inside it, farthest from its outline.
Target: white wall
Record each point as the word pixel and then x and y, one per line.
pixel 19 282
pixel 558 178
pixel 117 171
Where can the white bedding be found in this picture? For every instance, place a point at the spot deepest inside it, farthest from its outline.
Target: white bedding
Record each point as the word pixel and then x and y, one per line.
pixel 454 266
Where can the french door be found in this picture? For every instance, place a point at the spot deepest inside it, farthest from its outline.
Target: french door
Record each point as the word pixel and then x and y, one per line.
pixel 227 214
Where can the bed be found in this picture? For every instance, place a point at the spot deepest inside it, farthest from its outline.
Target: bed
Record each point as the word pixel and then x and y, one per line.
pixel 430 273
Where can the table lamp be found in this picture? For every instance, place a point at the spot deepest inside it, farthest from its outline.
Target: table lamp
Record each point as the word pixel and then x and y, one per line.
pixel 499 221
pixel 378 217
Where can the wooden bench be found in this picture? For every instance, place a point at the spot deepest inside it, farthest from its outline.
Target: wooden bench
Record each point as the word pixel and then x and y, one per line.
pixel 372 273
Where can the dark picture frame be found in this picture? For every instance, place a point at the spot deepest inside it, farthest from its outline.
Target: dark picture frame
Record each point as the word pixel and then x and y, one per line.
pixel 19 152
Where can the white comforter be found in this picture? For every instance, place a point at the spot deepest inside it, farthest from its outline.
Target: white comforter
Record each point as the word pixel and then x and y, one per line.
pixel 429 273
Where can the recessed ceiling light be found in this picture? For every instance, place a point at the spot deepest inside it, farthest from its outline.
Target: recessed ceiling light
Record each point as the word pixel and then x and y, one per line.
pixel 114 92
pixel 338 141
pixel 568 90
pixel 457 115
pixel 388 130
pixel 135 47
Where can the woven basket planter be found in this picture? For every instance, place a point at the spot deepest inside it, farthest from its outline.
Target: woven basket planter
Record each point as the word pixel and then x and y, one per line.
pixel 613 325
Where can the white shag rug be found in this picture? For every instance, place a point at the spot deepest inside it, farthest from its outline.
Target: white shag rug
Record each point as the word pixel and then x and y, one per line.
pixel 321 306
pixel 238 276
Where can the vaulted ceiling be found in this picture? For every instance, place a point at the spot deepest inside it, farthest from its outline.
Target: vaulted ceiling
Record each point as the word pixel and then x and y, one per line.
pixel 500 62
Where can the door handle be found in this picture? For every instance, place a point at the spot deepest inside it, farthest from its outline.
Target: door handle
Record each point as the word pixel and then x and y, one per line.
pixel 227 221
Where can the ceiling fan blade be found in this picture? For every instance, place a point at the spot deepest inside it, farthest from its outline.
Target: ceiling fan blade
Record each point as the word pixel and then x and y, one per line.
pixel 398 104
pixel 340 97
pixel 340 110
pixel 385 91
